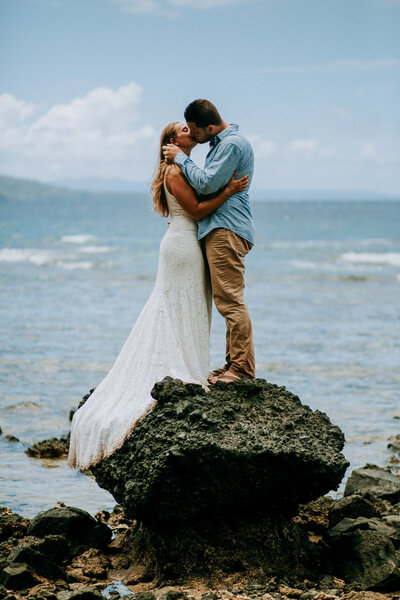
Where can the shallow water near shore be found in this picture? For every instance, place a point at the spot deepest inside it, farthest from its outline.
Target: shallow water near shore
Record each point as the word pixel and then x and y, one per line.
pixel 323 287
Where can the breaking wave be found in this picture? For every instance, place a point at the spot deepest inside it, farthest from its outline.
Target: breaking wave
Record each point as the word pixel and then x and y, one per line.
pixel 372 258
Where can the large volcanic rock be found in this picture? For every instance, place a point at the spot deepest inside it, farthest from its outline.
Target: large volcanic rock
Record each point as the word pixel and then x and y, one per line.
pixel 242 447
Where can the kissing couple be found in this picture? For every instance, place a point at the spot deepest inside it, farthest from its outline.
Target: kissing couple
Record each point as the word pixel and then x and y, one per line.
pixel 201 255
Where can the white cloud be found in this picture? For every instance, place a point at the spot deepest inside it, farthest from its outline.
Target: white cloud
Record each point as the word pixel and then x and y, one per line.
pixel 263 148
pixel 329 152
pixel 13 111
pixel 303 147
pixel 142 6
pixel 13 116
pixel 102 113
pixel 95 134
pixel 368 151
pixel 296 149
pixel 170 7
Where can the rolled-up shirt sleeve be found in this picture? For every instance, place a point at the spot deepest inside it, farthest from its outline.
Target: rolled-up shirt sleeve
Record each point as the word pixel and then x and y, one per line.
pixel 216 175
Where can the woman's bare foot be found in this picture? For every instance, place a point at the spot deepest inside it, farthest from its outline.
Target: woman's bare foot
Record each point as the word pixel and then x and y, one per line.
pixel 213 375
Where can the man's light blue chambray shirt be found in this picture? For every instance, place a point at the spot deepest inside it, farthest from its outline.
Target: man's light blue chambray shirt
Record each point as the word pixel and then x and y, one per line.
pixel 229 152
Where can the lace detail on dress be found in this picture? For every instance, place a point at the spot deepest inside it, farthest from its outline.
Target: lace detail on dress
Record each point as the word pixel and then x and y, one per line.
pixel 170 337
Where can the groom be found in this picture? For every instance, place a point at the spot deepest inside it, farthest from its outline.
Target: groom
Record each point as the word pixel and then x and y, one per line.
pixel 228 233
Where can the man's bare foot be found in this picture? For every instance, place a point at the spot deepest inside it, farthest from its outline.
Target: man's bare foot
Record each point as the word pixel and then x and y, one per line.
pixel 229 377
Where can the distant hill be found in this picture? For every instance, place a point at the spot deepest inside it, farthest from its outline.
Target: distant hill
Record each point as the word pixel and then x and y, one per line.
pixel 29 189
pixel 103 184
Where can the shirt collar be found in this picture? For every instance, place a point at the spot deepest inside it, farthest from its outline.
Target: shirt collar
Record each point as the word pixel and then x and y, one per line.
pixel 220 136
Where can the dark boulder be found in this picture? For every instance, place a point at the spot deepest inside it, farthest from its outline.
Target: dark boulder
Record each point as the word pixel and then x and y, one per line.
pixel 247 544
pixel 89 592
pixel 249 446
pixel 171 594
pixel 54 547
pixel 38 562
pixel 367 558
pixel 346 526
pixel 12 524
pixel 214 479
pixel 51 448
pixel 375 481
pixel 351 507
pixel 77 525
pixel 393 521
pixel 18 577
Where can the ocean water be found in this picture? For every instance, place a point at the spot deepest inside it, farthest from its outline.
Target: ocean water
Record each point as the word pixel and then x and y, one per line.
pixel 323 287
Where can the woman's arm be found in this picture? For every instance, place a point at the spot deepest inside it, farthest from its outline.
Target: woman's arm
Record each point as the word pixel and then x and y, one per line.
pixel 187 198
pixel 213 177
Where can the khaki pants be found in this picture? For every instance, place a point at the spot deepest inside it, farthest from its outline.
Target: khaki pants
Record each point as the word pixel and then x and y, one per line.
pixel 225 252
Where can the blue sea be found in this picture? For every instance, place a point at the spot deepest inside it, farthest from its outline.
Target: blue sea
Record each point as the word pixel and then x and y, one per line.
pixel 323 287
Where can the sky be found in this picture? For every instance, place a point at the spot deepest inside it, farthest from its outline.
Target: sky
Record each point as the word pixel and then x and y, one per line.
pixel 86 86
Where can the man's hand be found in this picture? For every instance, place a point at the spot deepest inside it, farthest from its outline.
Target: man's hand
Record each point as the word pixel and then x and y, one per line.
pixel 170 151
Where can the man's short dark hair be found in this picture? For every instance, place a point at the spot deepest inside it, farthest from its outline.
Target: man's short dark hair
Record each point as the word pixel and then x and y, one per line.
pixel 202 113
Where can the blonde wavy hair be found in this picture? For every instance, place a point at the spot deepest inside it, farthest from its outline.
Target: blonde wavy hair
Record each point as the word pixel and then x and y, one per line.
pixel 157 185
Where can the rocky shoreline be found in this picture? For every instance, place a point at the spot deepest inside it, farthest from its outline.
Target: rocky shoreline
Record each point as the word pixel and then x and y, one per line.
pixel 351 547
pixel 264 541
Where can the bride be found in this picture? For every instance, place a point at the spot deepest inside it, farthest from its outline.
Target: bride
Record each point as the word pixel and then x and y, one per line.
pixel 171 335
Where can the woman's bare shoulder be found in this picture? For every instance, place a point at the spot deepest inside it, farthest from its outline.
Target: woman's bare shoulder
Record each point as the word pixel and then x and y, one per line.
pixel 173 171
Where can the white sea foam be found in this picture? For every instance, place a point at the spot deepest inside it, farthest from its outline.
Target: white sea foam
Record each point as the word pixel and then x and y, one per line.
pixel 95 249
pixel 72 266
pixel 41 258
pixel 29 255
pixel 304 264
pixel 329 243
pixel 306 244
pixel 372 258
pixel 82 238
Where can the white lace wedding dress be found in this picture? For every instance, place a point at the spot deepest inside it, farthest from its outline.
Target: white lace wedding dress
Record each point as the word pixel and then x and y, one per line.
pixel 170 337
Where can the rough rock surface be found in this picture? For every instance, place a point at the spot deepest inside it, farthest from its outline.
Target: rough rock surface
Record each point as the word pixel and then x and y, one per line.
pixel 394 447
pixel 18 577
pixel 364 533
pixel 64 544
pixel 73 523
pixel 351 507
pixel 273 544
pixel 365 560
pixel 314 516
pixel 11 524
pixel 368 558
pixel 51 448
pixel 375 481
pixel 249 446
pixel 43 556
